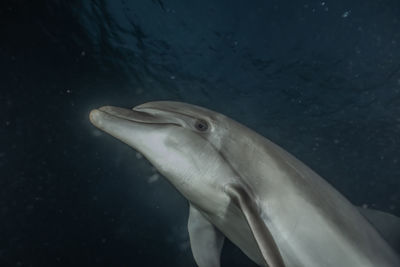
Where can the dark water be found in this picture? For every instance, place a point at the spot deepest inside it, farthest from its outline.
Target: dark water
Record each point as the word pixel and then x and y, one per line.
pixel 320 78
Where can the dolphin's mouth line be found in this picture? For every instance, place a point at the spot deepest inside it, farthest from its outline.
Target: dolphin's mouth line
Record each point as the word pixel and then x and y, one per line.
pixel 140 108
pixel 135 116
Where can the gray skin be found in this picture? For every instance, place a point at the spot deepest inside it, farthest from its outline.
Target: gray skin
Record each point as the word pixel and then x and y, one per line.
pixel 242 186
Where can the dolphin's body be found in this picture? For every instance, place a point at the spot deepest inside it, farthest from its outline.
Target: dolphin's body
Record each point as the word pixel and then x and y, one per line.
pixel 242 186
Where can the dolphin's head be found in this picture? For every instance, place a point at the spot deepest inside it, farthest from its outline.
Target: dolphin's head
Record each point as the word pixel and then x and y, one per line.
pixel 182 141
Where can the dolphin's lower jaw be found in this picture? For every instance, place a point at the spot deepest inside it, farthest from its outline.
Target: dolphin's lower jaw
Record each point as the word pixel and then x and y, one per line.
pixel 129 126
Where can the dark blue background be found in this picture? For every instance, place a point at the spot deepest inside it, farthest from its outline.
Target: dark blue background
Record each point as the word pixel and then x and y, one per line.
pixel 320 78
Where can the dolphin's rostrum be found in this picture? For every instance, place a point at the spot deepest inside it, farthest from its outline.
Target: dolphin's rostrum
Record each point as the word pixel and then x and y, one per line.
pixel 242 186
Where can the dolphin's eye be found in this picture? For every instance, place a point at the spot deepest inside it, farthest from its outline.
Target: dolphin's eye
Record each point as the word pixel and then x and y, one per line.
pixel 201 125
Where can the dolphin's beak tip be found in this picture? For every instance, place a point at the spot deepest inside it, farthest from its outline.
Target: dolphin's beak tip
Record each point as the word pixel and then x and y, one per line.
pixel 94 116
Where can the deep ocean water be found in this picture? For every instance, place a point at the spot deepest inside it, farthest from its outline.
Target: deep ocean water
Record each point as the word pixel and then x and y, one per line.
pixel 319 78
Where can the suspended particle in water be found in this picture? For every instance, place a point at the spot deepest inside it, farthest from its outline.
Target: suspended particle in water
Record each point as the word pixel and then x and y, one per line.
pixel 346 14
pixel 153 178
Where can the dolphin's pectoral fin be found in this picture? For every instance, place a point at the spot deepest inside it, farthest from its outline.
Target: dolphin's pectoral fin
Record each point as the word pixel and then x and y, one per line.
pixel 265 241
pixel 388 225
pixel 206 240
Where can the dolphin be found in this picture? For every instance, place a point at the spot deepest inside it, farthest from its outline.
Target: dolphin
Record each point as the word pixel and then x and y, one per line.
pixel 242 186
